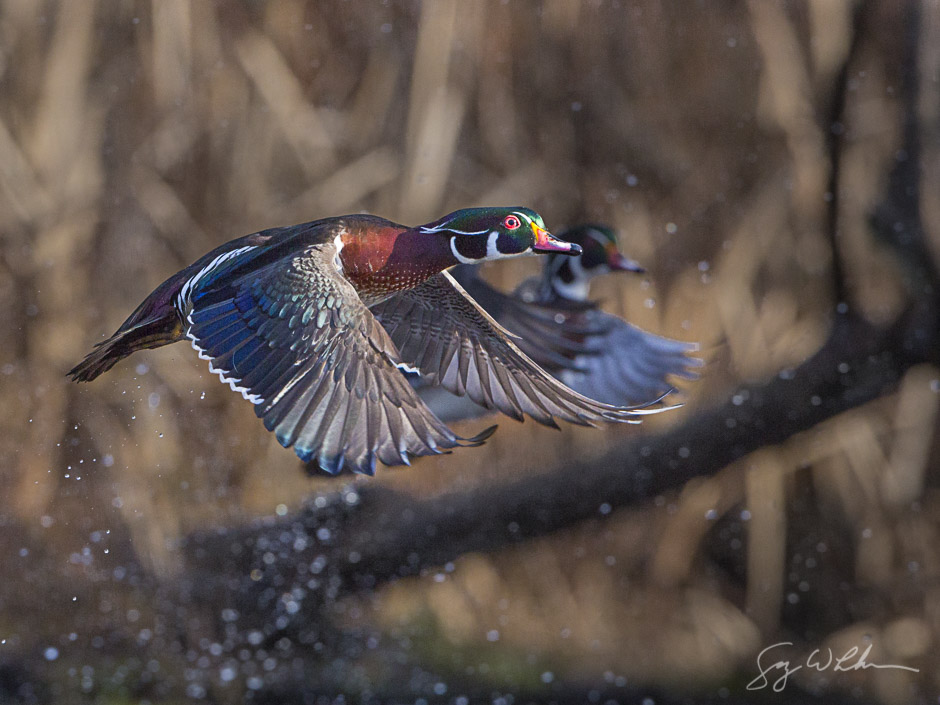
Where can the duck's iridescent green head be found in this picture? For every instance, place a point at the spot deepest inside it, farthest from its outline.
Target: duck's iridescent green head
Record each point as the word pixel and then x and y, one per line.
pixel 478 234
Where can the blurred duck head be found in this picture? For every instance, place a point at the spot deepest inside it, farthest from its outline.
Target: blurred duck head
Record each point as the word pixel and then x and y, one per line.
pixel 570 277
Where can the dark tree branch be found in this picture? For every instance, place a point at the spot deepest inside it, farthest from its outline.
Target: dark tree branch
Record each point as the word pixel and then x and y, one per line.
pixel 323 553
pixel 385 534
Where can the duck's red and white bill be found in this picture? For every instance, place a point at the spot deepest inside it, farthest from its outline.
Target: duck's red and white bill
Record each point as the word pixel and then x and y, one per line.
pixel 546 242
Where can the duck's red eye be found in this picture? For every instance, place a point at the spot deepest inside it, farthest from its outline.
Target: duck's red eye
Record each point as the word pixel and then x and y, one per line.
pixel 511 222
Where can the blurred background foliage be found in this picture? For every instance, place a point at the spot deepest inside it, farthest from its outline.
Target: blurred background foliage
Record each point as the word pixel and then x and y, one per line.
pixel 135 136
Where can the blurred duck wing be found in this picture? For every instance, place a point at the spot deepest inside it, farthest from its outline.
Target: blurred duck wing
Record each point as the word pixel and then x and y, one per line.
pixel 627 364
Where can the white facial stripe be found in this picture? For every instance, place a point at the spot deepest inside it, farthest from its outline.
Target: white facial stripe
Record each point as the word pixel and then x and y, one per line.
pixel 460 257
pixel 524 217
pixel 598 238
pixel 443 228
pixel 183 297
pixel 491 251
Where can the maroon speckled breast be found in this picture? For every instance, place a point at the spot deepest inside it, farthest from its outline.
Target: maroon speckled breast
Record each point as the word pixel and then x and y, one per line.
pixel 380 261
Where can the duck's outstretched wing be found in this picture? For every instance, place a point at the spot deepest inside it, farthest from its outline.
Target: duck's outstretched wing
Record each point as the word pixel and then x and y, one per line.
pixel 626 364
pixel 595 353
pixel 552 337
pixel 294 338
pixel 453 342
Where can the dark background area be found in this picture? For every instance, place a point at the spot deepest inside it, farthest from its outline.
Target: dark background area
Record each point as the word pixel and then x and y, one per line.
pixel 774 165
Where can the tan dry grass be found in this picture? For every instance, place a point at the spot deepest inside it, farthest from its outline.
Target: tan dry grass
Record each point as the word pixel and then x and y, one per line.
pixel 135 136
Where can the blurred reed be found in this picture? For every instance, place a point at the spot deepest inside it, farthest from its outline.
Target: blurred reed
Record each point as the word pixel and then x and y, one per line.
pixel 134 136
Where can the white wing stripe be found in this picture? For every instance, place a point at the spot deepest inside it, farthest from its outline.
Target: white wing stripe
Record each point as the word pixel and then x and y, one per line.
pixel 183 298
pixel 223 375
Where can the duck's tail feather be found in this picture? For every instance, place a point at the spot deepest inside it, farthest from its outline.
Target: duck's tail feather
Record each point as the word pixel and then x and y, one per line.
pixel 151 333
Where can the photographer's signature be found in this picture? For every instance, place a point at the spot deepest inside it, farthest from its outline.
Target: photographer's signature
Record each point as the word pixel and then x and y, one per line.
pixel 776 674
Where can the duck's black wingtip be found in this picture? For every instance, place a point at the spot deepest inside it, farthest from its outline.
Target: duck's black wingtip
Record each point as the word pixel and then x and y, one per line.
pixel 94 364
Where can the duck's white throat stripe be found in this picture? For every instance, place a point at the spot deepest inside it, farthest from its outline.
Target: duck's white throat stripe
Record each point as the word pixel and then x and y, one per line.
pixel 492 252
pixel 460 257
pixel 579 287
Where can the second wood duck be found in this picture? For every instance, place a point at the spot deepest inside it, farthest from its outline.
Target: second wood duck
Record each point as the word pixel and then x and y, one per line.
pixel 593 352
pixel 316 324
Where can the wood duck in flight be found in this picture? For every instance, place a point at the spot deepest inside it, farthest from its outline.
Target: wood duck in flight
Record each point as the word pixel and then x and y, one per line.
pixel 595 353
pixel 316 324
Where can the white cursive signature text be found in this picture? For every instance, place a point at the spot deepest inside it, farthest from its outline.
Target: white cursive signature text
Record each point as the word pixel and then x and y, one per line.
pixel 820 660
